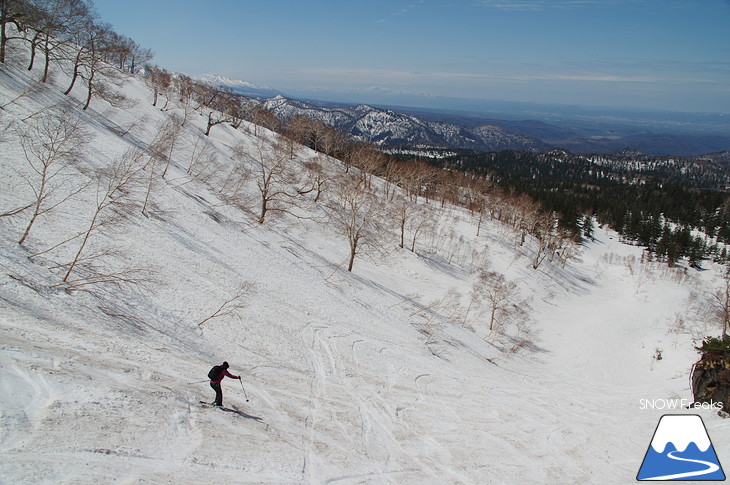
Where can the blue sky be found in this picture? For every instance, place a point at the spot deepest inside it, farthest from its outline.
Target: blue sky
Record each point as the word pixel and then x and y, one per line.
pixel 657 54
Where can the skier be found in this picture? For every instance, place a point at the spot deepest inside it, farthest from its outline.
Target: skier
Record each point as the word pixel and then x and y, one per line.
pixel 216 375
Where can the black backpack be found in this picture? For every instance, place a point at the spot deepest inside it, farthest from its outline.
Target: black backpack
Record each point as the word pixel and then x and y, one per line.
pixel 215 372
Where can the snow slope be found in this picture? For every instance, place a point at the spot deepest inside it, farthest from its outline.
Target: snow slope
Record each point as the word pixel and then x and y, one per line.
pixel 363 377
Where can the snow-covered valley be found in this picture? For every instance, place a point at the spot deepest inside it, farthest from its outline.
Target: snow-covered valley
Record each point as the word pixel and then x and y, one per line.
pixel 387 374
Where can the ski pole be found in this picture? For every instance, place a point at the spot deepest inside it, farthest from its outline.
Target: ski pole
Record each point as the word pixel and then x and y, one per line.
pixel 198 382
pixel 244 390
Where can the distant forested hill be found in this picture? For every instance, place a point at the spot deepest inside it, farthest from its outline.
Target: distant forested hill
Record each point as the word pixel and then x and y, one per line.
pixel 676 206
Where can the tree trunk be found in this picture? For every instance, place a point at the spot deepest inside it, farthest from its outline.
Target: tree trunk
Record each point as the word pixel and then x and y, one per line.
pixel 149 187
pixel 262 216
pixel 91 90
pixel 33 49
pixel 726 311
pixel 83 245
pixel 353 251
pixel 47 65
pixel 75 74
pixel 402 232
pixel 210 123
pixel 3 39
pixel 319 192
pixel 36 211
pixel 73 80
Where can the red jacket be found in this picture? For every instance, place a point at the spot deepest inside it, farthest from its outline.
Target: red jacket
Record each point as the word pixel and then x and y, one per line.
pixel 221 376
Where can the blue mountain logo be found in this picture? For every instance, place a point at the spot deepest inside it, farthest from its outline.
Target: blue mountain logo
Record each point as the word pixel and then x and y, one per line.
pixel 681 450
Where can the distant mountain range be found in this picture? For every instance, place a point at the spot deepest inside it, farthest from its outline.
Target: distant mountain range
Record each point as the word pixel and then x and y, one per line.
pixel 387 127
pixel 419 127
pixel 597 135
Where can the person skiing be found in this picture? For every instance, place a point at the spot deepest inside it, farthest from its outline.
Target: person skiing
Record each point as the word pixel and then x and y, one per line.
pixel 216 375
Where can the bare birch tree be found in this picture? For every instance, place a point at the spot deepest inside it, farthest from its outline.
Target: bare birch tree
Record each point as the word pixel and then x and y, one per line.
pixel 410 218
pixel 98 73
pixel 718 309
pixel 216 118
pixel 260 116
pixel 274 176
pixel 368 159
pixel 332 142
pixel 498 293
pixel 422 220
pixel 114 187
pixel 160 150
pixel 357 213
pixel 49 146
pixel 548 236
pixel 202 156
pixel 80 51
pixel 56 22
pixel 169 138
pixel 184 86
pixel 160 81
pixel 402 209
pixel 13 12
pixel 316 179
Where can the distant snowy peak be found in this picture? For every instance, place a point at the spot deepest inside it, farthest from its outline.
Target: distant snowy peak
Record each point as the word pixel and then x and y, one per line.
pixel 220 80
pixel 243 88
pixel 680 430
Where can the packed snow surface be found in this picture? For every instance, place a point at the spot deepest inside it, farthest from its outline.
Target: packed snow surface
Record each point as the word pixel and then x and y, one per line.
pixel 382 375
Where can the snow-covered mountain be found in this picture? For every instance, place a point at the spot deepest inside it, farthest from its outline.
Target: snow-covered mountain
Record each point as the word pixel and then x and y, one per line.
pixel 390 128
pixel 719 157
pixel 388 374
pixel 242 88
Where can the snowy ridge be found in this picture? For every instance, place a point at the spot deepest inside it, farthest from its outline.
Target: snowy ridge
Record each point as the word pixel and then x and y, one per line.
pixel 387 127
pixel 242 88
pixel 388 374
pixel 217 80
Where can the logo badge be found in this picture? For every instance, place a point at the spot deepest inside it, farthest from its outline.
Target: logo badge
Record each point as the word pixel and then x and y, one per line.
pixel 681 450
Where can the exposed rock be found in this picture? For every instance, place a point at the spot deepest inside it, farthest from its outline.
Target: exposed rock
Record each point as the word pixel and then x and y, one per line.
pixel 711 378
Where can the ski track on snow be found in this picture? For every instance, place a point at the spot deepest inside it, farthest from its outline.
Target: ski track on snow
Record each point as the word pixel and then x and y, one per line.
pixel 356 377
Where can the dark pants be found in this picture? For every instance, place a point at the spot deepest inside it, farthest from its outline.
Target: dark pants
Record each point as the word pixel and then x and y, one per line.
pixel 218 393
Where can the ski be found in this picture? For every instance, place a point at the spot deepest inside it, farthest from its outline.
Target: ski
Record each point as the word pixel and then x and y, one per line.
pixel 212 405
pixel 231 410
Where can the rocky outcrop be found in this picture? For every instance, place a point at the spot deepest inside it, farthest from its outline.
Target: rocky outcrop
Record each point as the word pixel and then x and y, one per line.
pixel 711 378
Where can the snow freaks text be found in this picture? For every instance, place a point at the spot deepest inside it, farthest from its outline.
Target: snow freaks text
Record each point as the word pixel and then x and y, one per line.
pixel 671 404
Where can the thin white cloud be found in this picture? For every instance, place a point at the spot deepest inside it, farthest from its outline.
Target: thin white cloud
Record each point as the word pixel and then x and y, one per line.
pixel 536 5
pixel 539 4
pixel 367 75
pixel 403 11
